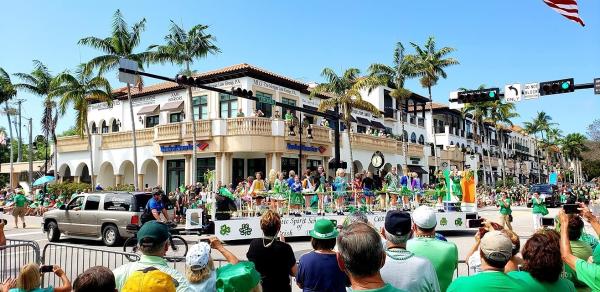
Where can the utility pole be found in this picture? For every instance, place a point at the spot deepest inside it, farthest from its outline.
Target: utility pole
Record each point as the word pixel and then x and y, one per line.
pixel 19 136
pixel 30 172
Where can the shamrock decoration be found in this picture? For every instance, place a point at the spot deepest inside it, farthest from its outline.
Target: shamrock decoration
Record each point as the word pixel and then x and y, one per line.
pixel 443 221
pixel 458 222
pixel 245 229
pixel 225 230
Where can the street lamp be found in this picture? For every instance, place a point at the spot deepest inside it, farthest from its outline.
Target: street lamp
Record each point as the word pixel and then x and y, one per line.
pixel 301 126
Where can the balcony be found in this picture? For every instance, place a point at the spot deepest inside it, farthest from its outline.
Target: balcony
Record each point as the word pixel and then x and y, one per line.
pixel 389 113
pixel 169 133
pixel 414 150
pixel 369 142
pixel 249 126
pixel 72 144
pixel 320 134
pixel 124 139
pixel 203 130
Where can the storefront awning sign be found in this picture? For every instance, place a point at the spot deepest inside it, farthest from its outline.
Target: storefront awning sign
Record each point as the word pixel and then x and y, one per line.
pixel 174 106
pixel 189 147
pixel 306 148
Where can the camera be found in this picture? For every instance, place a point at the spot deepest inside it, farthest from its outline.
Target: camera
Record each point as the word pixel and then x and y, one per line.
pixel 46 269
pixel 571 208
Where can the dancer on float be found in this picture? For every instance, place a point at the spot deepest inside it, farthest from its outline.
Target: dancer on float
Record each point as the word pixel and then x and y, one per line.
pixel 393 188
pixel 341 185
pixel 295 197
pixel 440 190
pixel 258 192
pixel 357 190
pixel 367 186
pixel 456 195
pixel 416 188
pixel 279 193
pixel 321 191
pixel 308 191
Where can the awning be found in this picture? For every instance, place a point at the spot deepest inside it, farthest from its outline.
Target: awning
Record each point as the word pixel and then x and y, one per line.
pixel 353 119
pixel 377 124
pixel 149 110
pixel 417 169
pixel 174 106
pixel 363 121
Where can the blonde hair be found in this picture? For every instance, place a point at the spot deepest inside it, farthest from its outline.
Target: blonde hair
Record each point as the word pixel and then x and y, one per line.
pixel 272 175
pixel 29 277
pixel 339 172
pixel 201 275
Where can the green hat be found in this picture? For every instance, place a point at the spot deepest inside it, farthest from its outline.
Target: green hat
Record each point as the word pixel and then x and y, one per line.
pixel 324 229
pixel 241 277
pixel 155 230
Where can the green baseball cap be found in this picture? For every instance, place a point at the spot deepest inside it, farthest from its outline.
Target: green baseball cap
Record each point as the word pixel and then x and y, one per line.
pixel 240 277
pixel 157 231
pixel 324 229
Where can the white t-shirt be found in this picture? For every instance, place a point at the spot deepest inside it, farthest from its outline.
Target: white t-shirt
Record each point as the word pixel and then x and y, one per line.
pixel 405 271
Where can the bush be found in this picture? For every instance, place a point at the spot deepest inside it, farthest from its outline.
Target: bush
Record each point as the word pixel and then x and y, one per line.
pixel 125 188
pixel 68 188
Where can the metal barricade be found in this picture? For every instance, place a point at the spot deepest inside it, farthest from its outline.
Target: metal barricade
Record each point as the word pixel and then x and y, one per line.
pixel 178 263
pixel 74 260
pixel 463 269
pixel 15 255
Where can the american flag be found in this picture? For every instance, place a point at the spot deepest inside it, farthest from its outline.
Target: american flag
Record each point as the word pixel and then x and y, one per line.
pixel 567 8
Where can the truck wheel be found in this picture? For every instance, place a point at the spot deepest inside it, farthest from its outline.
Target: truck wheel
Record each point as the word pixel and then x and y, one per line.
pixel 111 236
pixel 53 232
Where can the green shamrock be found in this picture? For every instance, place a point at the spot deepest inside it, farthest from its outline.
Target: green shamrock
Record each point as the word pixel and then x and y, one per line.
pixel 245 229
pixel 443 221
pixel 458 222
pixel 225 230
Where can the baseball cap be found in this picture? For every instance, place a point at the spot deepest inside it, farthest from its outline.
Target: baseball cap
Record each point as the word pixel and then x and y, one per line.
pixel 150 279
pixel 157 231
pixel 198 256
pixel 496 246
pixel 239 277
pixel 424 217
pixel 397 222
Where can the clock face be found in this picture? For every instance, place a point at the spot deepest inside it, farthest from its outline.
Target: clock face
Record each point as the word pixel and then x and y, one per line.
pixel 377 161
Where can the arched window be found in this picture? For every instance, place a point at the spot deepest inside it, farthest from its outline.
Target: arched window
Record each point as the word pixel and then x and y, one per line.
pixel 115 126
pixel 462 146
pixel 405 136
pixel 421 140
pixel 451 142
pixel 104 127
pixel 94 128
pixel 413 138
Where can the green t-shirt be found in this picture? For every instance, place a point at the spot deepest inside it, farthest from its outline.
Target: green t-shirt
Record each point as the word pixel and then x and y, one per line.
pixel 442 254
pixel 491 281
pixel 20 200
pixel 588 274
pixel 538 205
pixel 583 251
pixel 386 288
pixel 503 209
pixel 561 285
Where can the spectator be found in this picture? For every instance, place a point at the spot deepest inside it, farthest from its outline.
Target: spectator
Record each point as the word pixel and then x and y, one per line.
pixel 200 269
pixel 241 277
pixel 150 279
pixel 542 264
pixel 418 274
pixel 152 239
pixel 8 284
pixel 361 256
pixel 579 248
pixel 95 279
pixel 20 208
pixel 474 259
pixel 354 217
pixel 505 210
pixel 587 273
pixel 274 260
pixel 495 251
pixel 154 208
pixel 442 254
pixel 318 270
pixel 2 236
pixel 30 279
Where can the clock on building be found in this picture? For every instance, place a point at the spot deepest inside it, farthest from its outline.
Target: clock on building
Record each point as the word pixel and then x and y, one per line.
pixel 377 160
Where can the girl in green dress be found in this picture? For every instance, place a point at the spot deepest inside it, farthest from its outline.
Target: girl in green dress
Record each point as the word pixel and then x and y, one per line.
pixel 538 210
pixel 341 185
pixel 392 180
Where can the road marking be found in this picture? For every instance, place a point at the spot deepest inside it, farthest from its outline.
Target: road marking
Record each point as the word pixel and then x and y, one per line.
pixel 23 234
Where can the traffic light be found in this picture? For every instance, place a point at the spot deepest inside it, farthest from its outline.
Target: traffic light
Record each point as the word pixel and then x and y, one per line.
pixel 557 86
pixel 481 95
pixel 236 91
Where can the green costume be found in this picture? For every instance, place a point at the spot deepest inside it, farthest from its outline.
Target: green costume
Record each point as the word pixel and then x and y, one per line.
pixel 503 209
pixel 392 183
pixel 538 206
pixel 456 188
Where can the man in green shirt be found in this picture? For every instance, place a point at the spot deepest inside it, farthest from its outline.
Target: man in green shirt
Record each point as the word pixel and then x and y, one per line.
pixel 360 255
pixel 442 254
pixel 505 210
pixel 19 209
pixel 587 273
pixel 495 250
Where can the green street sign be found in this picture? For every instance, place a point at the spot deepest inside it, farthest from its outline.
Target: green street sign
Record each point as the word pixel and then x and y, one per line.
pixel 267 100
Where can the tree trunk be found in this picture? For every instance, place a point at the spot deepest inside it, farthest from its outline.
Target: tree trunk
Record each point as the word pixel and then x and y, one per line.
pixel 435 157
pixel 191 113
pixel 10 145
pixel 91 149
pixel 54 138
pixel 349 148
pixel 135 161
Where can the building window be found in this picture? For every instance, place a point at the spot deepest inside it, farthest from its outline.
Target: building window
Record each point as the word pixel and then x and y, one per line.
pixel 288 102
pixel 115 126
pixel 256 165
pixel 227 106
pixel 361 129
pixel 237 171
pixel 388 105
pixel 104 127
pixel 405 136
pixel 413 138
pixel 94 128
pixel 175 118
pixel 151 121
pixel 202 166
pixel 200 106
pixel 288 164
pixel 266 108
pixel 421 139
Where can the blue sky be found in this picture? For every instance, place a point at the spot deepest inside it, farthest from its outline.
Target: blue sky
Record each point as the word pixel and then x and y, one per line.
pixel 497 42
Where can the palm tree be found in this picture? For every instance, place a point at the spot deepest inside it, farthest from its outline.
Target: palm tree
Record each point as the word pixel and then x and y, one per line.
pixel 501 114
pixel 478 111
pixel 345 91
pixel 182 48
pixel 39 82
pixel 7 92
pixel 543 123
pixel 120 44
pixel 572 147
pixel 75 90
pixel 430 64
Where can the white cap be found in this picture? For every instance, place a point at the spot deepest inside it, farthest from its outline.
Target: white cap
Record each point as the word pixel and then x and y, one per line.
pixel 198 255
pixel 424 217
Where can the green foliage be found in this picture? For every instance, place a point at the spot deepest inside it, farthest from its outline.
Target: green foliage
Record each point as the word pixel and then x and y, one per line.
pixel 68 188
pixel 591 168
pixel 510 182
pixel 124 188
pixel 72 131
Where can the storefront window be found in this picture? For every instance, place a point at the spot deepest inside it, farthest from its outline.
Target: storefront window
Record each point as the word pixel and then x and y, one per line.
pixel 237 171
pixel 256 165
pixel 313 164
pixel 115 126
pixel 288 102
pixel 94 128
pixel 288 164
pixel 264 107
pixel 200 106
pixel 175 174
pixel 202 166
pixel 104 127
pixel 175 118
pixel 227 106
pixel 361 129
pixel 151 121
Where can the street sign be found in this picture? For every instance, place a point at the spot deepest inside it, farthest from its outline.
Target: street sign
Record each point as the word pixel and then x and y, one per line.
pixel 531 91
pixel 130 65
pixel 267 100
pixel 512 92
pixel 597 86
pixel 453 101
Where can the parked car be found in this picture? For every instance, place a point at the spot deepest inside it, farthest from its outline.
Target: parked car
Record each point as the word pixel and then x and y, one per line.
pixel 549 193
pixel 98 216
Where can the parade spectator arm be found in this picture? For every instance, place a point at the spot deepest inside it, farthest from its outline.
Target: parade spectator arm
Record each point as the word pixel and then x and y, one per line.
pixel 8 284
pixel 589 217
pixel 474 248
pixel 66 283
pixel 218 245
pixel 2 237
